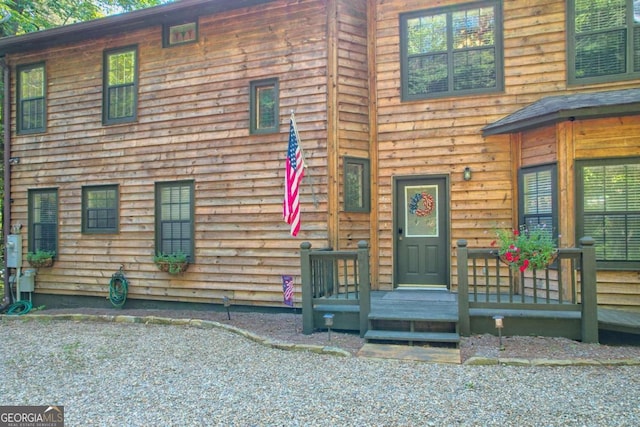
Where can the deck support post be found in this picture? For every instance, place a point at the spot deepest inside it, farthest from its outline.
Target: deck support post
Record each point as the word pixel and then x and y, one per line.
pixel 588 291
pixel 464 321
pixel 365 286
pixel 307 297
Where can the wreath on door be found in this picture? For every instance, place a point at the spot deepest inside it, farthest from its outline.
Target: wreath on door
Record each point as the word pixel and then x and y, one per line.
pixel 421 204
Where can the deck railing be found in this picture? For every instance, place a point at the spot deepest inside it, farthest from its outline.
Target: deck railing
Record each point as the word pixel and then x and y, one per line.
pixel 338 278
pixel 569 284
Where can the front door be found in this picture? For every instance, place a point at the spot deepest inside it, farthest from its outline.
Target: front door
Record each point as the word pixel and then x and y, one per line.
pixel 422 232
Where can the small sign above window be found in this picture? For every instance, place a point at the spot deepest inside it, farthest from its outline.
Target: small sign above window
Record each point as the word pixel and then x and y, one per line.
pixel 179 34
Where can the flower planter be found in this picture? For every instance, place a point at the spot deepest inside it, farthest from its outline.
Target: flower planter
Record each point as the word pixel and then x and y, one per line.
pixel 41 263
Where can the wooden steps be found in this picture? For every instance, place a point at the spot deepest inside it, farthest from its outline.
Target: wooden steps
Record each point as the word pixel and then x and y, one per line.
pixel 400 319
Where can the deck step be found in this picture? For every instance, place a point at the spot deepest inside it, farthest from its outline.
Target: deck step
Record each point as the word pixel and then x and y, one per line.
pixel 416 317
pixel 382 335
pixel 337 308
pixel 539 314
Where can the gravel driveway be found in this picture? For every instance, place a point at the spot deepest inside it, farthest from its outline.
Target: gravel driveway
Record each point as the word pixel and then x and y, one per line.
pixel 112 374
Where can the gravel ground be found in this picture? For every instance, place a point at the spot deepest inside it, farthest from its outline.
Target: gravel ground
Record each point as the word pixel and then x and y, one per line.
pixel 114 374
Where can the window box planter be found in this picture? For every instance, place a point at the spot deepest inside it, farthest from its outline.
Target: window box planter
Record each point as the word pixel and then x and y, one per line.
pixel 40 258
pixel 171 263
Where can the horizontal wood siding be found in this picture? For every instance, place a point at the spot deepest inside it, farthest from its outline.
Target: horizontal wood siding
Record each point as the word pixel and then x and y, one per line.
pixel 442 136
pixel 353 110
pixel 539 146
pixel 193 123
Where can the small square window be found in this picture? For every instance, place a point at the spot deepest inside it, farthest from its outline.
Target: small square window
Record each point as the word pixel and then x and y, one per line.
pixel 264 109
pixel 356 185
pixel 179 34
pixel 100 209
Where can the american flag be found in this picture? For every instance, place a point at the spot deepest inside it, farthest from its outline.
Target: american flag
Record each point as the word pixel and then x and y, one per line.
pixel 287 290
pixel 293 177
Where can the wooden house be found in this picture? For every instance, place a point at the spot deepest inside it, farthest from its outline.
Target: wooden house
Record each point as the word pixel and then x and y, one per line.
pixel 422 123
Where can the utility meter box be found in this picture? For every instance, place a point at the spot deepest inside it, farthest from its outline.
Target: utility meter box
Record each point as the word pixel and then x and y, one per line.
pixel 14 250
pixel 28 280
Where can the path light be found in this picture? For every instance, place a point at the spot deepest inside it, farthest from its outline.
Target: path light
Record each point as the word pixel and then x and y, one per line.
pixel 227 304
pixel 499 326
pixel 328 322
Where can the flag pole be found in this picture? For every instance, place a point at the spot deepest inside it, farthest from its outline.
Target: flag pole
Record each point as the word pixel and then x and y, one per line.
pixel 295 129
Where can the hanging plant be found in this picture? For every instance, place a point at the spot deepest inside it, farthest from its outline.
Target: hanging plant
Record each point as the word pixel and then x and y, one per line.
pixel 526 249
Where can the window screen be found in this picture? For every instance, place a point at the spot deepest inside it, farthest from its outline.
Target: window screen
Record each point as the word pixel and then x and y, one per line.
pixel 609 205
pixel 100 209
pixel 43 220
pixel 605 40
pixel 31 98
pixel 174 218
pixel 120 85
pixel 452 51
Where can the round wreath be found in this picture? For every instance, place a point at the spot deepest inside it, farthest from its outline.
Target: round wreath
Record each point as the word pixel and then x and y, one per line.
pixel 421 204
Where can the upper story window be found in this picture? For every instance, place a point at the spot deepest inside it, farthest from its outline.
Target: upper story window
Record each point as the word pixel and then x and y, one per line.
pixel 452 51
pixel 538 198
pixel 264 109
pixel 31 102
pixel 120 91
pixel 175 218
pixel 100 209
pixel 608 209
pixel 43 220
pixel 603 40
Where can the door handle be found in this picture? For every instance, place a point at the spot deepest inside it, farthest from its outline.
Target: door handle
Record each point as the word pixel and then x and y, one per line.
pixel 400 231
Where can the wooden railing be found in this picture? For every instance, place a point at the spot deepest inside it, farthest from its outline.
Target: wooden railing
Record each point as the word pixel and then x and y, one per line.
pixel 336 281
pixel 569 285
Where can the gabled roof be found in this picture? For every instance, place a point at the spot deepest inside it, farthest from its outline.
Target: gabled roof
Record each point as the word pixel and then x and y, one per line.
pixel 554 109
pixel 116 24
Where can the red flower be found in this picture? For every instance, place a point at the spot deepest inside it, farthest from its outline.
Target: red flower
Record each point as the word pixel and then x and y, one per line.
pixel 524 265
pixel 516 233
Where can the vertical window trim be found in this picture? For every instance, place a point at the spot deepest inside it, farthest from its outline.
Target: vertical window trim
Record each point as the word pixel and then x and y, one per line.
pixel 85 219
pixel 253 106
pixel 499 50
pixel 19 99
pixel 366 187
pixel 629 74
pixel 157 214
pixel 579 203
pixel 106 120
pixel 31 237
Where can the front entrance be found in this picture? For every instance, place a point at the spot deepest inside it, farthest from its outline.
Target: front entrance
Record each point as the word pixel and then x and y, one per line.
pixel 421 232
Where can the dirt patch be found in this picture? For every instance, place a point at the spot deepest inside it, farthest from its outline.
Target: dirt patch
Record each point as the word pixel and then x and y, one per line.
pixel 287 327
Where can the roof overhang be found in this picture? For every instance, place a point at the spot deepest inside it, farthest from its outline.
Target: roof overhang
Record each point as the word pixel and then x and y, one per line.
pixel 117 24
pixel 554 109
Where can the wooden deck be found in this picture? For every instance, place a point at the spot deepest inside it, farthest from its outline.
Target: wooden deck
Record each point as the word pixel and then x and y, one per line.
pixel 436 305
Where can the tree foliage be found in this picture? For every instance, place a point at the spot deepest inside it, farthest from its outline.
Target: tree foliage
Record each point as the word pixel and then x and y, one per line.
pixel 25 16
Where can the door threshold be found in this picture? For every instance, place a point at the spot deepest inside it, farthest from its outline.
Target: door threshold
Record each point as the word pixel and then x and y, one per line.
pixel 422 287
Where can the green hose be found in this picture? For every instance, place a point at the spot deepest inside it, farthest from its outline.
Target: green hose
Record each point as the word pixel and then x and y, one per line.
pixel 118 288
pixel 19 308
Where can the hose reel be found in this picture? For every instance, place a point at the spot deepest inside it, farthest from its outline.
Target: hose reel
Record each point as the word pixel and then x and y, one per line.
pixel 118 287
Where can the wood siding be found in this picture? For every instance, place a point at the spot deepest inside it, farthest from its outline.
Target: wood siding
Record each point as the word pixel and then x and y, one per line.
pixel 442 136
pixel 352 111
pixel 193 123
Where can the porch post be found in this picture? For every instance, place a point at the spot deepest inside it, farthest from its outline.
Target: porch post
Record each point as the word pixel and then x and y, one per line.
pixel 464 322
pixel 307 294
pixel 365 286
pixel 589 291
